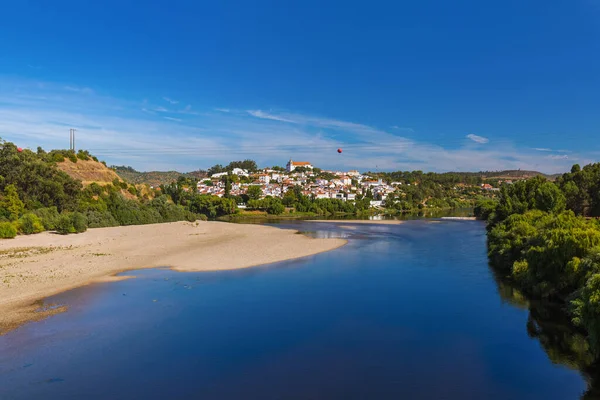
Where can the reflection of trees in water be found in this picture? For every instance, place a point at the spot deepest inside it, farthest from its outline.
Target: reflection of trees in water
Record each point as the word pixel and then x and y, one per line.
pixel 551 326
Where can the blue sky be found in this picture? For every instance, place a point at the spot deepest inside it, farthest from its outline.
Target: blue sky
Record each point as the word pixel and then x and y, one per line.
pixel 431 85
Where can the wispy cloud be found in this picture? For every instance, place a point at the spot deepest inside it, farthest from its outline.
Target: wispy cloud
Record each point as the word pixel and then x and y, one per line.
pixel 84 90
pixel 558 157
pixel 170 100
pixel 131 133
pixel 542 149
pixel 225 110
pixel 402 128
pixel 478 139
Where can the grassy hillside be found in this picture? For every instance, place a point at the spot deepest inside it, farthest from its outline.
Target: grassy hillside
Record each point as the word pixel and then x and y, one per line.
pixel 154 178
pixel 88 171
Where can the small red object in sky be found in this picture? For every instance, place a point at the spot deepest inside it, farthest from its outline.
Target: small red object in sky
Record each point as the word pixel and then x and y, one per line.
pixel 20 150
pixel 339 150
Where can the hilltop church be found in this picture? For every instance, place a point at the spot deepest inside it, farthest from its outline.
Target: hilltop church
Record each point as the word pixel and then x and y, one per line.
pixel 291 165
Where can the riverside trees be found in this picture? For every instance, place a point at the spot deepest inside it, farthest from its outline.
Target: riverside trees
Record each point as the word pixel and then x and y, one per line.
pixel 538 237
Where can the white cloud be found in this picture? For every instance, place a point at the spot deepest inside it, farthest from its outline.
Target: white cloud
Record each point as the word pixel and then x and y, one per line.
pixel 120 132
pixel 542 149
pixel 160 109
pixel 84 90
pixel 558 157
pixel 477 139
pixel 170 100
pixel 225 110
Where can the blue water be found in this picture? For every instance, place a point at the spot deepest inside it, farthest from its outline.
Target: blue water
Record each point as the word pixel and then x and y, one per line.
pixel 407 311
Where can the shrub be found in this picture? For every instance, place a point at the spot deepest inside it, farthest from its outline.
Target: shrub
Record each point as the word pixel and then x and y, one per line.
pixel 49 217
pixel 100 219
pixel 80 223
pixel 64 225
pixel 30 224
pixel 7 230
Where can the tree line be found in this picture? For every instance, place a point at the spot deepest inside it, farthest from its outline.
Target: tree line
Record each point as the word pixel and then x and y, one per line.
pixel 36 196
pixel 544 236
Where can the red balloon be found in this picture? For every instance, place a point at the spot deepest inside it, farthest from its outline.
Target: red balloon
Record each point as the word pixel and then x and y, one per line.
pixel 339 150
pixel 20 150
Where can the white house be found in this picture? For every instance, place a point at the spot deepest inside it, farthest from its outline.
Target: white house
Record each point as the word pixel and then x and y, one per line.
pixel 264 178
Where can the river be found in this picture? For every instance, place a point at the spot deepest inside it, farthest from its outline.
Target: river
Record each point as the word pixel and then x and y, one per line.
pixel 408 311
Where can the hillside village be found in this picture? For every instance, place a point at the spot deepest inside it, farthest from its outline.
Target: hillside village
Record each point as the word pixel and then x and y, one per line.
pixel 315 183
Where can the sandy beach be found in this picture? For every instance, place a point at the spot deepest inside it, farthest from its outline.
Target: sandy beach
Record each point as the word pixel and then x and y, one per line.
pixel 37 266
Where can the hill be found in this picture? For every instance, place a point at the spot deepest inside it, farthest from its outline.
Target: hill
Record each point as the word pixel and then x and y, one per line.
pixel 514 174
pixel 88 171
pixel 154 178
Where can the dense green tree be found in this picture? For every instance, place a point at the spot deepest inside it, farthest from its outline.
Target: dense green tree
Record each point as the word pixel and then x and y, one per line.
pixel 12 203
pixel 254 192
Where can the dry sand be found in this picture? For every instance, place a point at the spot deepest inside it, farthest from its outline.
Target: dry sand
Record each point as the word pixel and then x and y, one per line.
pixel 359 221
pixel 38 266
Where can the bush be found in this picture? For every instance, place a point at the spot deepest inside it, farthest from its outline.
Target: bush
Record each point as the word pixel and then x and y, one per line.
pixel 49 217
pixel 30 224
pixel 80 223
pixel 64 225
pixel 7 230
pixel 100 219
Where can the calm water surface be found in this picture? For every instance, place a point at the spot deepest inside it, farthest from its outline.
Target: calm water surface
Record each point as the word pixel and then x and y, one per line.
pixel 407 311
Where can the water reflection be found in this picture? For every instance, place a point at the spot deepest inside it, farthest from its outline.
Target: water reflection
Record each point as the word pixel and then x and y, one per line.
pixel 550 325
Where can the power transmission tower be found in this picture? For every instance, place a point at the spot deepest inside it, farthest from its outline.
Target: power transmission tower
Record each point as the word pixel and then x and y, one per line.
pixel 72 139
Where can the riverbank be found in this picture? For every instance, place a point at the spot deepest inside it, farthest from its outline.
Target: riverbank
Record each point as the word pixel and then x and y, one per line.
pixel 360 221
pixel 37 266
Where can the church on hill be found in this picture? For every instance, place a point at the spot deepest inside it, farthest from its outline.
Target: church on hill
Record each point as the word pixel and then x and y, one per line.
pixel 292 165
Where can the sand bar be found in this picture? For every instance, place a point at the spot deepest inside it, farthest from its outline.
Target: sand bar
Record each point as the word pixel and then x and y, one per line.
pixel 359 221
pixel 37 266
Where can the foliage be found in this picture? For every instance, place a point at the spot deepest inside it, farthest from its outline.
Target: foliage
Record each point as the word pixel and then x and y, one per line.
pixel 30 223
pixel 100 219
pixel 11 203
pixel 582 189
pixel 7 230
pixel 64 225
pixel 249 165
pixel 80 222
pixel 49 217
pixel 546 251
pixel 254 192
pixel 38 181
pixel 269 204
pixel 212 206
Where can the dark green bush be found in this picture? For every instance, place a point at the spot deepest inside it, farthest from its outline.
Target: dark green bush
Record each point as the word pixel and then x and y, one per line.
pixel 80 223
pixel 49 217
pixel 7 230
pixel 64 225
pixel 100 219
pixel 30 223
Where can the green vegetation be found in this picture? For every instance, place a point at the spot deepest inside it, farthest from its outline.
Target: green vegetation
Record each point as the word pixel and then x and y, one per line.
pixel 249 165
pixel 7 230
pixel 539 238
pixel 37 196
pixel 29 224
pixel 154 178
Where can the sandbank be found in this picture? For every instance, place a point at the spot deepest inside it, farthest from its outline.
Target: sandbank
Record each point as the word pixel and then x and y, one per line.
pixel 37 266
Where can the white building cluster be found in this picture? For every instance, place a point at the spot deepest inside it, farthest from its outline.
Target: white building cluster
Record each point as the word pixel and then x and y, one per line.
pixel 343 185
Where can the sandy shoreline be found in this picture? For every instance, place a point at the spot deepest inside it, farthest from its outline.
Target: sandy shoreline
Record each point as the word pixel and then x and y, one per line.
pixel 359 221
pixel 37 266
